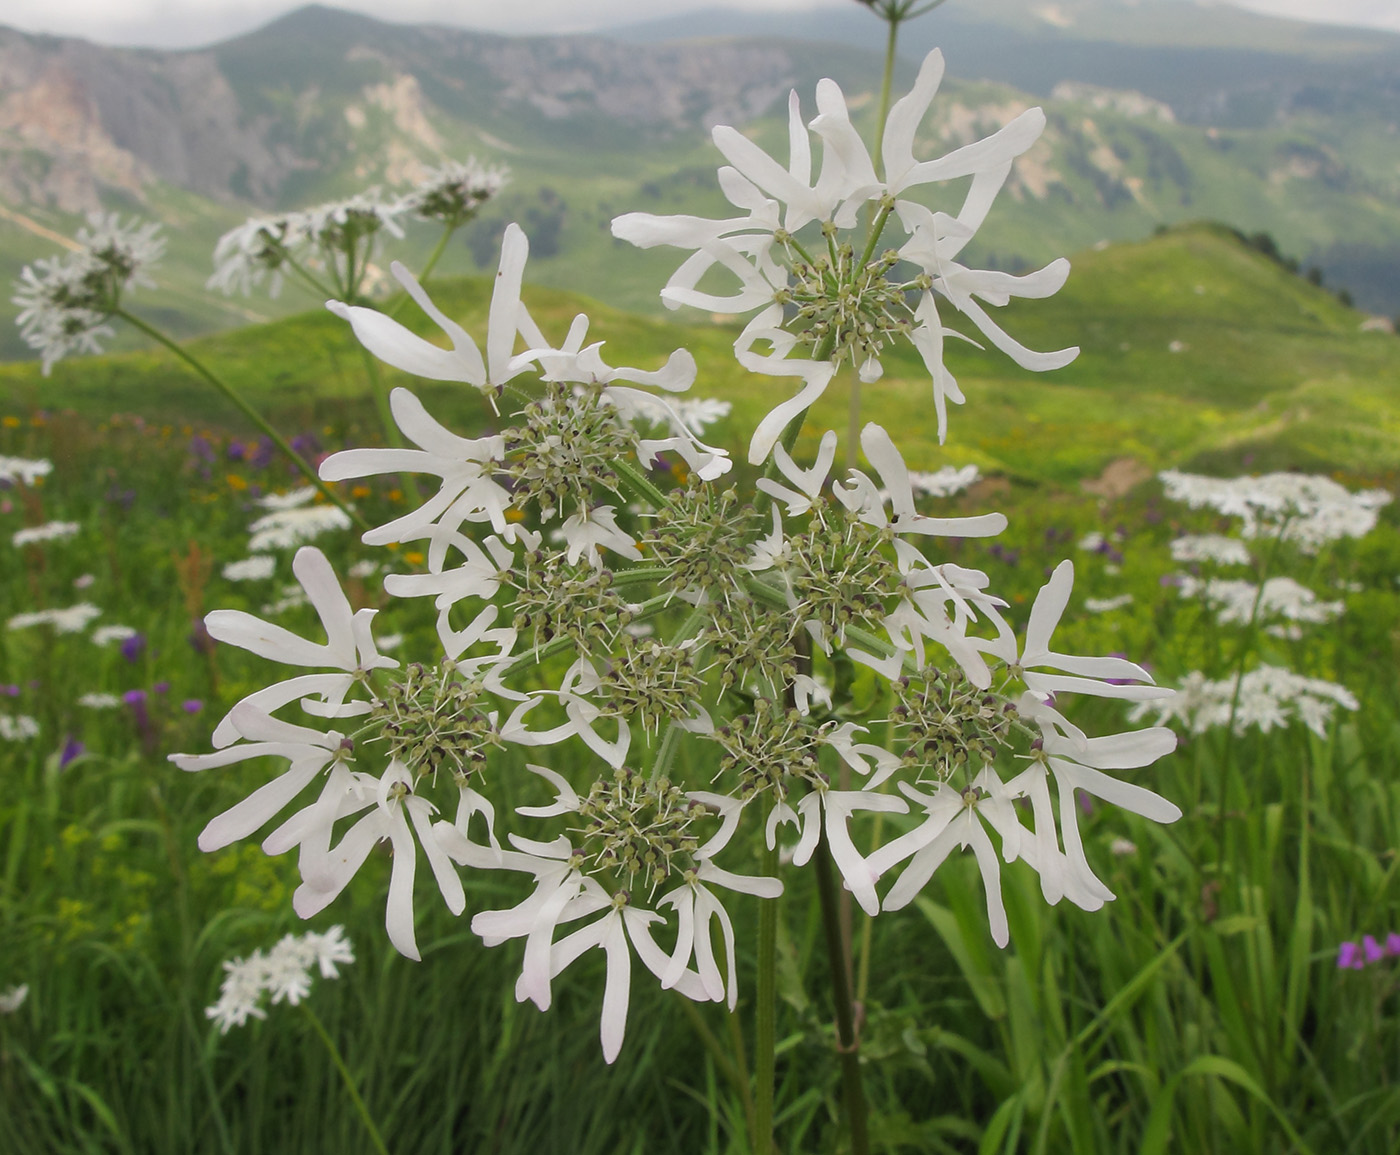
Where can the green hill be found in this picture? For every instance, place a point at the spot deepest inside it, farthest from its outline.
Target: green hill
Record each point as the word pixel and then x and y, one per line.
pixel 1197 348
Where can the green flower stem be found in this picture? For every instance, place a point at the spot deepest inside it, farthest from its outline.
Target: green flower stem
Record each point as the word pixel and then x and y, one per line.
pixel 318 286
pixel 348 1079
pixel 428 266
pixel 639 483
pixel 847 1042
pixel 765 1055
pixel 247 410
pixel 1246 644
pixel 885 82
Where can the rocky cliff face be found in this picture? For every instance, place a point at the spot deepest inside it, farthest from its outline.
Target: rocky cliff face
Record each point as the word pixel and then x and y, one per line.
pixel 79 121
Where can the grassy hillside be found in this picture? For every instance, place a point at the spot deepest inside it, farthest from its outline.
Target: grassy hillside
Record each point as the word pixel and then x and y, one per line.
pixel 1196 348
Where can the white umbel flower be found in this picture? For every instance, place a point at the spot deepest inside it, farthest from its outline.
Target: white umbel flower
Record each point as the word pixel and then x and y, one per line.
pixel 775 273
pixel 49 531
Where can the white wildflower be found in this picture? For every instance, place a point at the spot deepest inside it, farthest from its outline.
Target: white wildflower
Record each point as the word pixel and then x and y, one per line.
pixel 99 701
pixel 285 528
pixel 23 469
pixel 284 972
pixel 761 248
pixel 251 569
pixel 13 999
pixel 1308 510
pixel 1210 547
pixel 18 727
pixel 106 635
pixel 1234 600
pixel 71 620
pixel 65 301
pixel 946 482
pixel 1269 697
pixel 1107 605
pixel 49 531
pixel 454 192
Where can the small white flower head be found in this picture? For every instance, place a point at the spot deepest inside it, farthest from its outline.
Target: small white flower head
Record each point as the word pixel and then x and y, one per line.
pixel 49 531
pixel 1307 510
pixel 946 482
pixel 1108 605
pixel 18 727
pixel 65 301
pixel 13 999
pixel 1215 548
pixel 1269 697
pixel 454 192
pixel 259 567
pixel 99 701
pixel 69 620
pixel 24 470
pixel 106 635
pixel 285 972
pixel 295 525
pixel 1237 602
pixel 636 838
pixel 340 235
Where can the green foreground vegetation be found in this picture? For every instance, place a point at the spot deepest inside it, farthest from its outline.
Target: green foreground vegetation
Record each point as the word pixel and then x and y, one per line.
pixel 1201 1011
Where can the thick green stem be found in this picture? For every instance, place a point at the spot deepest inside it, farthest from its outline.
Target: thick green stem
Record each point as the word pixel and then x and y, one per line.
pixel 765 1055
pixel 348 1079
pixel 847 1041
pixel 247 410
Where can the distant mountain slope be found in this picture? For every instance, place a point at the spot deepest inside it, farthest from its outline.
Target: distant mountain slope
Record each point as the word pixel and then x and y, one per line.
pixel 1295 135
pixel 1197 349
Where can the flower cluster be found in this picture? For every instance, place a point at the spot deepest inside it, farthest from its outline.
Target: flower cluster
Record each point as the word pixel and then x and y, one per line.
pixel 1265 698
pixel 66 301
pixel 671 638
pixel 339 239
pixel 1368 952
pixel 285 972
pixel 817 284
pixel 1305 509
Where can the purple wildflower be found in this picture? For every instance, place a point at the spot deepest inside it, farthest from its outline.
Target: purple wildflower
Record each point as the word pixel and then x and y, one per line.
pixel 191 705
pixel 71 749
pixel 161 688
pixel 1392 944
pixel 132 647
pixel 1349 957
pixel 1373 950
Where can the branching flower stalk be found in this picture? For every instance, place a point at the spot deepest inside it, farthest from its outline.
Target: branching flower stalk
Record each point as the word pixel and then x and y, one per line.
pixel 643 650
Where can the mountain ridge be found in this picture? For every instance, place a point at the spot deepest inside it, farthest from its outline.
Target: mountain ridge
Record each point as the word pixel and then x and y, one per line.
pixel 322 103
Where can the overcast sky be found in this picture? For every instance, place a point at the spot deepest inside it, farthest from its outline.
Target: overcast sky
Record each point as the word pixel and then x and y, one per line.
pixel 186 23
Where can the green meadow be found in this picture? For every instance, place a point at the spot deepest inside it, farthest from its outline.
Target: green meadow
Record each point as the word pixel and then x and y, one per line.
pixel 1202 1011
